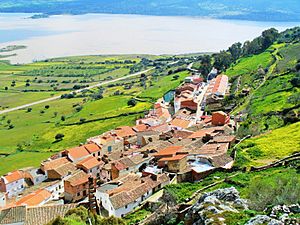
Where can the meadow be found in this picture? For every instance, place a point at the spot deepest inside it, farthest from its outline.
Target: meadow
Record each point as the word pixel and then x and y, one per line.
pixel 269 147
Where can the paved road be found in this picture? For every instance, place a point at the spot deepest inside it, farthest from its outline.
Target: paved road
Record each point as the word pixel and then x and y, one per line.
pixel 200 99
pixel 77 91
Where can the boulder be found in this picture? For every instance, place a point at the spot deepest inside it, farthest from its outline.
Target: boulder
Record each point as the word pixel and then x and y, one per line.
pixel 263 219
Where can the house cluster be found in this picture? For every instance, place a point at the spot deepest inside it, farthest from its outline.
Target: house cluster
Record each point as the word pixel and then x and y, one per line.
pixel 123 167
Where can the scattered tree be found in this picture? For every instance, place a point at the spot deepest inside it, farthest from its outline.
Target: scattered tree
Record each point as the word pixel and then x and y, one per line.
pixel 59 137
pixel 132 102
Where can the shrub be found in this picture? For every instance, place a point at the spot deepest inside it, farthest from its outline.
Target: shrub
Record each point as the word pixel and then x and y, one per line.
pixel 132 102
pixel 78 108
pixel 282 189
pixel 59 136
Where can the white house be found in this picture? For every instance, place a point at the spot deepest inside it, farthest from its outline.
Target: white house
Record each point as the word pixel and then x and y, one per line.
pixel 119 197
pixel 2 199
pixel 56 188
pixel 12 183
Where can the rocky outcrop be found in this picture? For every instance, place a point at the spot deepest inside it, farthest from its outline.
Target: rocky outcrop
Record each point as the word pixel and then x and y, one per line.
pixel 211 206
pixel 280 215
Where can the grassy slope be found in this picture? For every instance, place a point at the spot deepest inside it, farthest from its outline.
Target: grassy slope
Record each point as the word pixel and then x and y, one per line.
pixel 242 181
pixel 270 146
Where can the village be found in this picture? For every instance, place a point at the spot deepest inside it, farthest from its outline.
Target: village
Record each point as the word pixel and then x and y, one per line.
pixel 115 172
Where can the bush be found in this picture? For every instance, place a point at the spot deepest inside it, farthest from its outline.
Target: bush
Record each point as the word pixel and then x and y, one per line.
pixel 132 102
pixel 59 136
pixel 47 106
pixel 78 108
pixel 297 67
pixel 282 189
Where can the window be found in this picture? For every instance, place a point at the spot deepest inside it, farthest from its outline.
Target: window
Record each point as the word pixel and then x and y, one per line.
pixel 78 194
pixel 126 206
pixel 150 139
pixel 84 193
pixel 98 153
pixel 109 148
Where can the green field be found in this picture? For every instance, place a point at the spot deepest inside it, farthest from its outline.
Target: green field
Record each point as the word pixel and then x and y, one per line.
pixel 33 131
pixel 270 147
pixel 250 64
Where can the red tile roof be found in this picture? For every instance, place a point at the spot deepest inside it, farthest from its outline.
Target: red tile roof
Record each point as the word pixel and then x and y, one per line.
pixel 189 103
pixel 201 133
pixel 224 139
pixel 125 131
pixel 53 164
pixel 173 158
pixel 177 122
pixel 171 150
pixel 78 178
pixel 78 152
pixel 140 127
pixel 120 166
pixel 89 163
pixel 13 176
pixel 34 198
pixel 221 84
pixel 161 128
pixel 92 148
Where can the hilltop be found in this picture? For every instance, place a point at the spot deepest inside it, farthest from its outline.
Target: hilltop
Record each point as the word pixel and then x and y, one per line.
pixel 207 139
pixel 255 10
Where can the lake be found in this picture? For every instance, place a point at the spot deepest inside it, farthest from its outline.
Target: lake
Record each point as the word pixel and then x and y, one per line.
pixel 92 34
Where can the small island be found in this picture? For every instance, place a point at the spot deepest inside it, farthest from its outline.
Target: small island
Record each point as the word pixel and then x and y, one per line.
pixel 11 48
pixel 39 16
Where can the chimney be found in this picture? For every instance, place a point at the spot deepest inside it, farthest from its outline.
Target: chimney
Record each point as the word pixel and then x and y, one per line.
pixel 154 177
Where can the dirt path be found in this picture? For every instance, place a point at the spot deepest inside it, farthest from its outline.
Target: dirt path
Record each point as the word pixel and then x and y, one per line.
pixel 77 91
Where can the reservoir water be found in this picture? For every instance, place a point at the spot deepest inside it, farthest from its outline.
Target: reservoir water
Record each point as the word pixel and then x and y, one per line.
pixel 67 35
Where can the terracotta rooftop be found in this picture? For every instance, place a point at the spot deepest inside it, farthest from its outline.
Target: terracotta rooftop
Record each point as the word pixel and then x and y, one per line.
pixel 140 127
pixel 119 165
pixel 125 131
pixel 173 158
pixel 211 130
pixel 14 215
pixel 171 150
pixel 177 122
pixel 221 83
pixel 53 164
pixel 45 214
pixel 92 147
pixel 78 152
pixel 78 178
pixel 221 160
pixel 214 149
pixel 133 187
pixel 65 169
pixel 224 139
pixel 13 176
pixel 89 162
pixel 35 198
pixel 161 128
